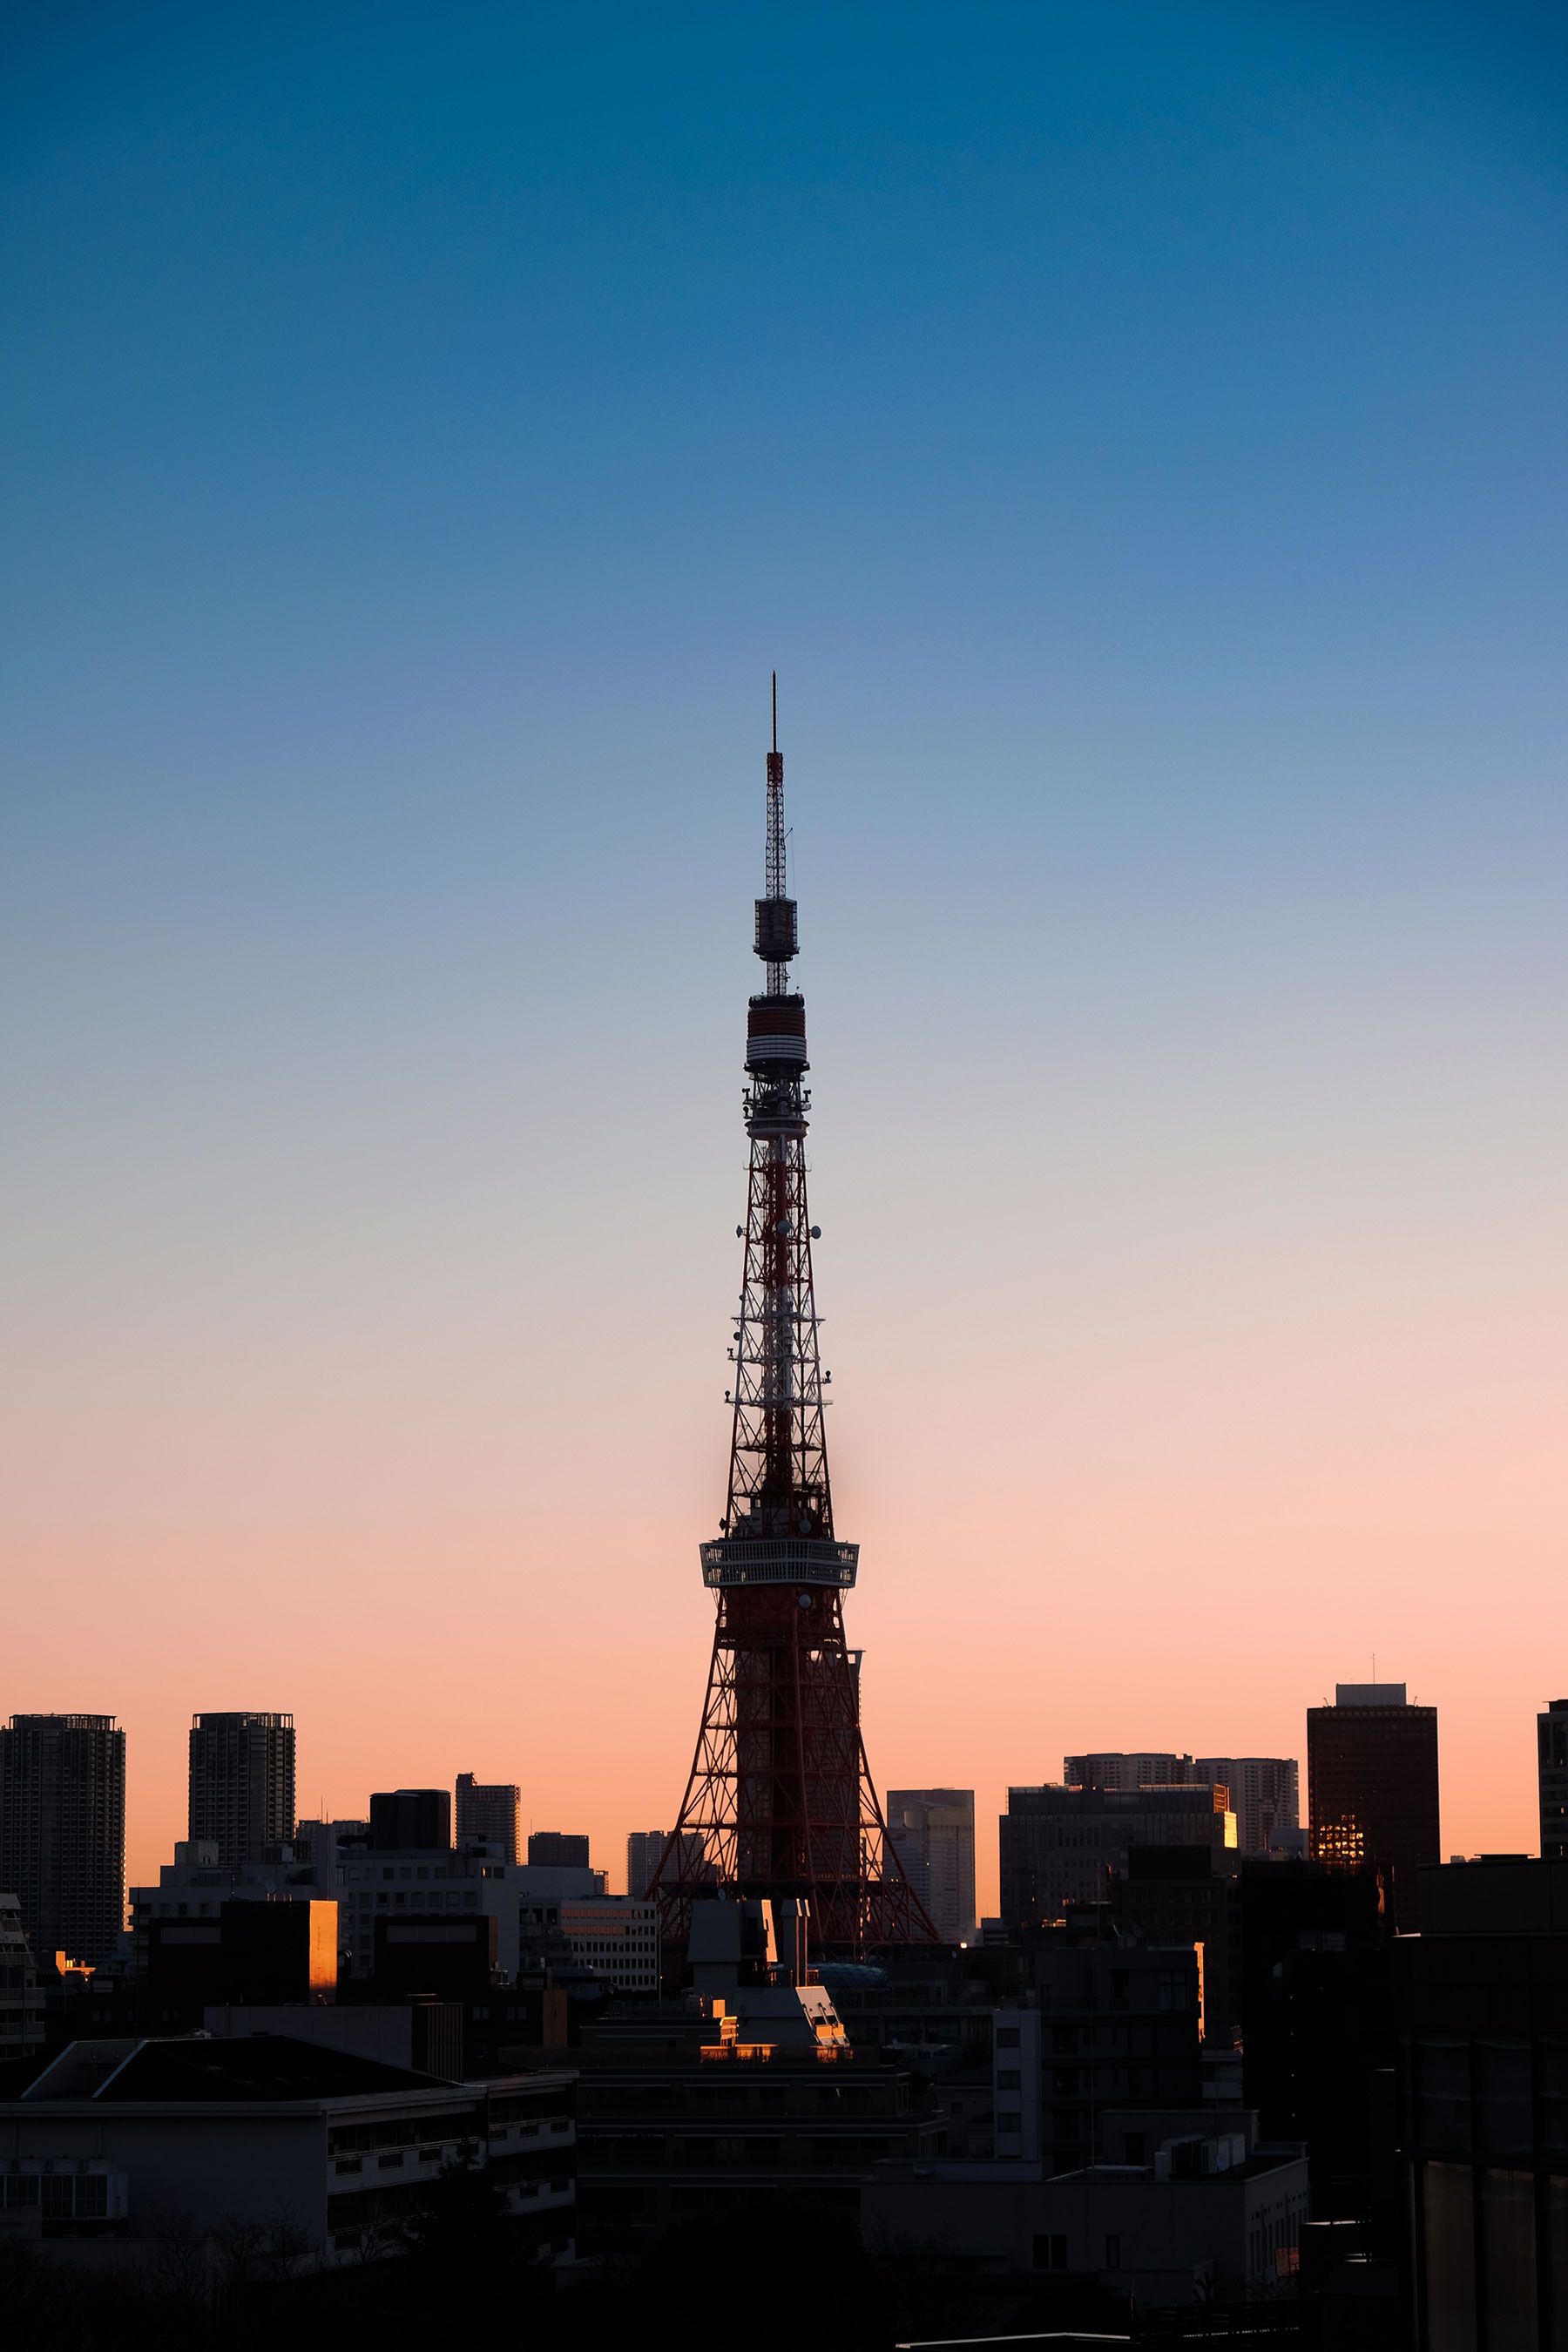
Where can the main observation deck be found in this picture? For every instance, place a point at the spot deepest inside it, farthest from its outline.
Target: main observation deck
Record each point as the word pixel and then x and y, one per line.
pixel 778 1559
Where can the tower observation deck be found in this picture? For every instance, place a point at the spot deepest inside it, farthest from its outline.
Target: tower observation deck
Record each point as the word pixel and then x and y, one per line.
pixel 780 1801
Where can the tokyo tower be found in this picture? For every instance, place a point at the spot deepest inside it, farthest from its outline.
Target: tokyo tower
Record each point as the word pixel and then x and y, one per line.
pixel 780 1801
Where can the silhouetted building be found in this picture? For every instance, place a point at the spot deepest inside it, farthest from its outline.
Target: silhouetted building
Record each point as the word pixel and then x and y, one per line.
pixel 1317 2024
pixel 249 1952
pixel 1552 1740
pixel 1108 2043
pixel 1060 1846
pixel 434 1953
pixel 1263 1791
pixel 713 2106
pixel 242 1783
pixel 21 1997
pixel 62 1833
pixel 404 1819
pixel 488 1810
pixel 1372 1775
pixel 1173 1894
pixel 932 1832
pixel 1483 2139
pixel 554 1850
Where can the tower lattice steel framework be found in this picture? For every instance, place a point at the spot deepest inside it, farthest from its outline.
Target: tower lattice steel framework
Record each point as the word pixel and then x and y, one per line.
pixel 780 1801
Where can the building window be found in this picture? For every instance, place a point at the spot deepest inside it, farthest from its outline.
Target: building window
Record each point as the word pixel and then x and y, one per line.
pixel 1050 2252
pixel 1008 2078
pixel 1112 2251
pixel 1008 2037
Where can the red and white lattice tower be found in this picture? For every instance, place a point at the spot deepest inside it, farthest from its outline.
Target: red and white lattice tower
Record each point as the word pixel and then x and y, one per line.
pixel 780 1801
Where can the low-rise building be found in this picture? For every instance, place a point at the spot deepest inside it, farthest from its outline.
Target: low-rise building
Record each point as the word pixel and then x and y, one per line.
pixel 1210 2216
pixel 718 2103
pixel 116 2137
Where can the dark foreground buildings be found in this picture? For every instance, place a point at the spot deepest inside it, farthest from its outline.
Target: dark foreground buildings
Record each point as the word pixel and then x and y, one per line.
pixel 1483 2107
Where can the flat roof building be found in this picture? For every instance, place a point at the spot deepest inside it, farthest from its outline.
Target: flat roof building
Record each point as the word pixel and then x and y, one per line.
pixel 488 1810
pixel 62 1833
pixel 1372 1782
pixel 241 1783
pixel 118 2134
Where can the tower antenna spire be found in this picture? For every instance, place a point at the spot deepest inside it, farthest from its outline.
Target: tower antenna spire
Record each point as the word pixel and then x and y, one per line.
pixel 775 710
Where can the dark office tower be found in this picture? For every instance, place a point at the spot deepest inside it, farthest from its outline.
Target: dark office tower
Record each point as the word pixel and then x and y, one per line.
pixel 1551 1738
pixel 242 1783
pixel 555 1850
pixel 488 1810
pixel 405 1819
pixel 62 1833
pixel 1372 1789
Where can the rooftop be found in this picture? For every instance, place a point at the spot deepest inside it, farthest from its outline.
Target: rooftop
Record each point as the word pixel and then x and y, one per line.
pixel 191 2068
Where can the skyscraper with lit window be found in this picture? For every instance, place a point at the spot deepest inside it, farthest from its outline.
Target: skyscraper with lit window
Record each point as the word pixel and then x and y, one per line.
pixel 1372 1789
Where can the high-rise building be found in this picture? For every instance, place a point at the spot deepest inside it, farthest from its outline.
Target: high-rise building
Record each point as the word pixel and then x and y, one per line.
pixel 933 1832
pixel 1551 1744
pixel 488 1810
pixel 557 1850
pixel 242 1783
pixel 405 1819
pixel 1263 1790
pixel 1372 1789
pixel 62 1833
pixel 643 1850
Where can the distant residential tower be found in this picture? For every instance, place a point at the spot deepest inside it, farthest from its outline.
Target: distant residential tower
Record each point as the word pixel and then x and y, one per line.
pixel 241 1783
pixel 488 1810
pixel 932 1832
pixel 62 1833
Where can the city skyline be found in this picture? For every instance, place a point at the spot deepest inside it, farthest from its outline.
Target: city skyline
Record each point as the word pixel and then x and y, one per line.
pixel 1141 453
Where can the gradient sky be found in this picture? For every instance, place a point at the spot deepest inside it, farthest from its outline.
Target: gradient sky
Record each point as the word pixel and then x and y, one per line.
pixel 1138 436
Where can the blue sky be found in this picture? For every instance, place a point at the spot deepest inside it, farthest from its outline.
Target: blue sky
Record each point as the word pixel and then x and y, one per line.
pixel 1135 435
